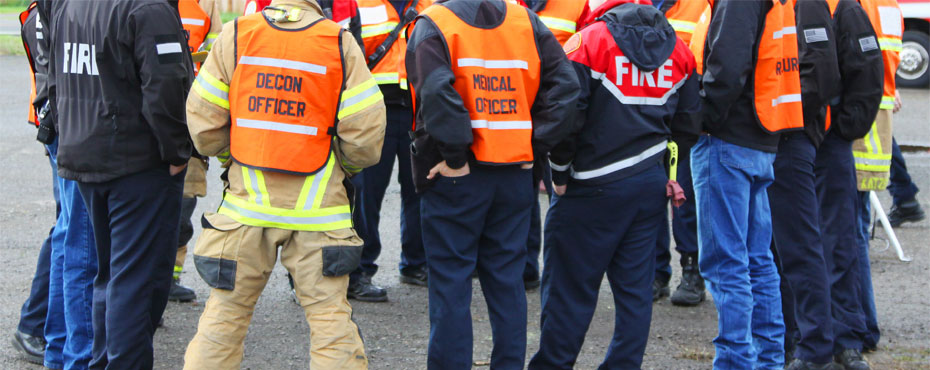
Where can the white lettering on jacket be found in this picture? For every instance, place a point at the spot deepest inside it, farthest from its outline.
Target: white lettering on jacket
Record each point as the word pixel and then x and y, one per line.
pixel 640 78
pixel 80 59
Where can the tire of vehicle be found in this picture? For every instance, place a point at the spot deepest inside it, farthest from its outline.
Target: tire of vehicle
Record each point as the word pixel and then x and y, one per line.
pixel 914 70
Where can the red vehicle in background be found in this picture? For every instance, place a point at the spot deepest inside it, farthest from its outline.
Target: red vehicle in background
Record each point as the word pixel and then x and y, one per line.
pixel 915 52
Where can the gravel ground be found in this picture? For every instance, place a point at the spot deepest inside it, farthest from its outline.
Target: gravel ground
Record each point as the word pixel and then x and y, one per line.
pixel 396 332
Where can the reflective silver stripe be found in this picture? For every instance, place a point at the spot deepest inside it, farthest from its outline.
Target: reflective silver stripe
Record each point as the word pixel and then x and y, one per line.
pixel 619 165
pixel 39 35
pixel 276 126
pixel 168 48
pixel 283 63
pixel 374 89
pixel 502 125
pixel 637 100
pixel 559 167
pixel 192 21
pixel 253 182
pixel 875 148
pixel 493 64
pixel 314 187
pixel 873 162
pixel 206 85
pixel 289 220
pixel 790 98
pixel 790 30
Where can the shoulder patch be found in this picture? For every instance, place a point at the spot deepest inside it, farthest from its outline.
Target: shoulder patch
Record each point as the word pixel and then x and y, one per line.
pixel 572 44
pixel 868 43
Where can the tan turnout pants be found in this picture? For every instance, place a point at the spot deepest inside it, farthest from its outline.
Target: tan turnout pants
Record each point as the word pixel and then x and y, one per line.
pixel 334 340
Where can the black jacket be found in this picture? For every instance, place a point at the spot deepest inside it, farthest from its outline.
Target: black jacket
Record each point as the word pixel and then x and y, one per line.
pixel 119 77
pixel 861 67
pixel 625 123
pixel 729 64
pixel 817 64
pixel 441 115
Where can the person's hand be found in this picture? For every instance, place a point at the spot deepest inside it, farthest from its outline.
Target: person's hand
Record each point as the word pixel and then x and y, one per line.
pixel 559 189
pixel 897 102
pixel 526 166
pixel 443 169
pixel 174 170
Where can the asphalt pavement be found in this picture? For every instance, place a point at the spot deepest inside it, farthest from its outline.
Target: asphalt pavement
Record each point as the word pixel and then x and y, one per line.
pixel 396 332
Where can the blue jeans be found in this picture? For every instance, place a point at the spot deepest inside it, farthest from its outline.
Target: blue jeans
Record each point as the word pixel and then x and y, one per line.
pixel 35 309
pixel 866 295
pixel 734 253
pixel 69 324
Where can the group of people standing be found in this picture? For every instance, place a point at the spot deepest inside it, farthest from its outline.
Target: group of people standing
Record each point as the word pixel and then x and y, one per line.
pixel 741 113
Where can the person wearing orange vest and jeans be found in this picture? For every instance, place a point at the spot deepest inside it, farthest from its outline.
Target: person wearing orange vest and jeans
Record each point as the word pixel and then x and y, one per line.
pixel 752 91
pixel 610 180
pixel 286 93
pixel 563 18
pixel 383 34
pixel 492 90
pixel 201 21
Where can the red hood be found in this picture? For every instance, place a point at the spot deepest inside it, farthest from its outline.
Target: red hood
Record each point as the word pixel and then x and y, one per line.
pixel 610 4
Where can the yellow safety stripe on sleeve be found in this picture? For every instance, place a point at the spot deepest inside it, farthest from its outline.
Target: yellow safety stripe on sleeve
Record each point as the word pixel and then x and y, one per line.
pixel 352 169
pixel 887 102
pixel 559 24
pixel 356 99
pixel 378 29
pixel 247 181
pixel 211 89
pixel 223 157
pixel 682 26
pixel 403 84
pixel 890 43
pixel 178 270
pixel 673 161
pixel 208 42
pixel 386 78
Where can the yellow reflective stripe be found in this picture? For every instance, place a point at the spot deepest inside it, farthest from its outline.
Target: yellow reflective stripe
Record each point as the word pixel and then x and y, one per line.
pixel 223 157
pixel 877 140
pixel 386 78
pixel 890 43
pixel 325 219
pixel 247 181
pixel 211 89
pixel 262 190
pixel 327 173
pixel 352 169
pixel 559 24
pixel 315 186
pixel 682 26
pixel 867 140
pixel 873 156
pixel 208 42
pixel 358 98
pixel 887 102
pixel 403 84
pixel 178 269
pixel 873 168
pixel 378 29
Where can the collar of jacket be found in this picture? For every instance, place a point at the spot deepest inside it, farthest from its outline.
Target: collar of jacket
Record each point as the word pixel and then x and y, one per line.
pixel 610 4
pixel 303 4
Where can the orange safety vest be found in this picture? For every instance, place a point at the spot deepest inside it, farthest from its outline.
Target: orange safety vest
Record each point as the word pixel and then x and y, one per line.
pixel 195 21
pixel 777 78
pixel 378 19
pixel 886 19
pixel 684 16
pixel 498 83
pixel 699 38
pixel 32 94
pixel 284 95
pixel 561 17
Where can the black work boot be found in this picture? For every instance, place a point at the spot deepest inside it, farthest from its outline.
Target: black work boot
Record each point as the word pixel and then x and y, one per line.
pixel 415 276
pixel 363 290
pixel 799 364
pixel 659 288
pixel 690 291
pixel 33 348
pixel 530 280
pixel 851 359
pixel 908 211
pixel 180 293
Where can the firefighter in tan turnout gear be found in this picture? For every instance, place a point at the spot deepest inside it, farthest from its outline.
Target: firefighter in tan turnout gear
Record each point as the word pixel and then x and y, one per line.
pixel 288 95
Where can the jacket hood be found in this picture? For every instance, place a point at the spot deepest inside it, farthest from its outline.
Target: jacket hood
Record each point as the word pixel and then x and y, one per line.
pixel 640 30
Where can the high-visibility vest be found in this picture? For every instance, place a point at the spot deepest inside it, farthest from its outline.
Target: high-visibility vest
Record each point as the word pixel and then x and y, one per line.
pixel 379 18
pixel 561 17
pixel 777 77
pixel 497 80
pixel 196 23
pixel 684 15
pixel 888 23
pixel 284 95
pixel 699 38
pixel 32 92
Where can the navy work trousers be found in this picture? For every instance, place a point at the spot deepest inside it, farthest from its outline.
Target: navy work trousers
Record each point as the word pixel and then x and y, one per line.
pixel 477 221
pixel 796 230
pixel 900 186
pixel 592 230
pixel 32 315
pixel 684 223
pixel 836 191
pixel 372 183
pixel 135 219
pixel 534 239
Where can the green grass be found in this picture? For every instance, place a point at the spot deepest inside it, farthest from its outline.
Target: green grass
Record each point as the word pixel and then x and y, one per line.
pixel 228 16
pixel 13 6
pixel 11 45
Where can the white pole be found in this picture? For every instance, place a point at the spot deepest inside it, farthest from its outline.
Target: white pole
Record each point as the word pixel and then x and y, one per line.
pixel 877 206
